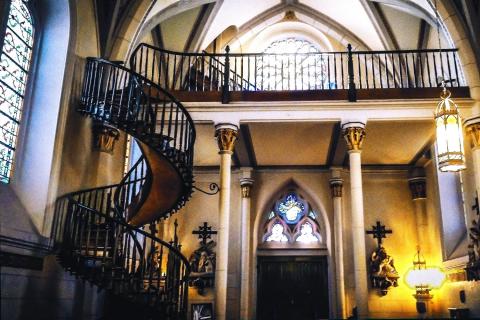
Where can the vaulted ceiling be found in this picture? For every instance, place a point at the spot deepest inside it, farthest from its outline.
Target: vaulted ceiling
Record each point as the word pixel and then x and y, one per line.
pixel 367 24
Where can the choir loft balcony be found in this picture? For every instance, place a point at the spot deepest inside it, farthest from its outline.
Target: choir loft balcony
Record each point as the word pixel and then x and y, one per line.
pixel 302 75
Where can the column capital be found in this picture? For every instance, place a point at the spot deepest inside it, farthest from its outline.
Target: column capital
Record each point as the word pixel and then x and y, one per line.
pixel 246 185
pixel 336 186
pixel 418 187
pixel 354 134
pixel 226 134
pixel 472 129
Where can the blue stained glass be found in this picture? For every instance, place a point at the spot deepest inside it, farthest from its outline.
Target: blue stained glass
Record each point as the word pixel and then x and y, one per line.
pixel 15 60
pixel 291 208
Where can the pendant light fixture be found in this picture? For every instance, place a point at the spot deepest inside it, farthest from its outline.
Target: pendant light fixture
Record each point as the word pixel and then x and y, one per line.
pixel 449 134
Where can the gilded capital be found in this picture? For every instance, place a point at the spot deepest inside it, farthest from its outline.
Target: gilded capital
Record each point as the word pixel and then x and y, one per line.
pixel 336 186
pixel 246 186
pixel 472 129
pixel 354 136
pixel 226 137
pixel 418 187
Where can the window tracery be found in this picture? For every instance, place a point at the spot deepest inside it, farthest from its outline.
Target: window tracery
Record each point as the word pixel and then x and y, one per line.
pixel 293 63
pixel 15 62
pixel 292 221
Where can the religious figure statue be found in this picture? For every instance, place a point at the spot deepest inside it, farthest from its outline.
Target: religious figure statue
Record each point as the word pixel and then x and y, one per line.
pixel 202 263
pixel 277 234
pixel 382 270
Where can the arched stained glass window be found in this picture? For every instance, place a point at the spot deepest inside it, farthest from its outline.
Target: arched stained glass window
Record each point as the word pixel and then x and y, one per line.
pixel 292 220
pixel 293 64
pixel 15 60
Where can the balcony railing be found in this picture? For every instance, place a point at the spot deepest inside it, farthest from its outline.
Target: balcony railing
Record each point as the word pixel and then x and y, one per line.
pixel 346 72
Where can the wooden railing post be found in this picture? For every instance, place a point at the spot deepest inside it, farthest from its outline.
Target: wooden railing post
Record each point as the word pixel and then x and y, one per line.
pixel 352 91
pixel 226 77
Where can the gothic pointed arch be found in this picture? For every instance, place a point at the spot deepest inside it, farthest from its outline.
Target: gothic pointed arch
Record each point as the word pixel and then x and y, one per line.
pixel 292 222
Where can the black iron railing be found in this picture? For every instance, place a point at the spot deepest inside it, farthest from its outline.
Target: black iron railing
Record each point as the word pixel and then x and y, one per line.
pixel 144 109
pixel 90 229
pixel 349 70
pixel 94 243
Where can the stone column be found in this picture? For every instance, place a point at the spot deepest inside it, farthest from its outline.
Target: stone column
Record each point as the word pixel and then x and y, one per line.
pixel 336 186
pixel 472 129
pixel 354 134
pixel 418 190
pixel 246 183
pixel 226 135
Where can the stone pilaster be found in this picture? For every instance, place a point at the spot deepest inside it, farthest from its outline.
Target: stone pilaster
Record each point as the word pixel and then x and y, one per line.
pixel 354 134
pixel 472 130
pixel 418 190
pixel 336 186
pixel 246 184
pixel 226 135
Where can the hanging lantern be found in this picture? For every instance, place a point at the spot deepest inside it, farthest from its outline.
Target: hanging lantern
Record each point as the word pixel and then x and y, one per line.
pixel 450 152
pixel 423 279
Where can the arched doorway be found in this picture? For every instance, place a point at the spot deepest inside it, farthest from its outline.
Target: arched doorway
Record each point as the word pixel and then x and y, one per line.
pixel 292 261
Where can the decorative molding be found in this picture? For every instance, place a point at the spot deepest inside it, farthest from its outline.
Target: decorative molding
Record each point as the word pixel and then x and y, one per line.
pixel 418 187
pixel 354 136
pixel 336 186
pixel 104 137
pixel 14 260
pixel 472 130
pixel 246 186
pixel 226 137
pixel 24 244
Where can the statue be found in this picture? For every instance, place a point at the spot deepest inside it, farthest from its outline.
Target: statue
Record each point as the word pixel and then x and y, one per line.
pixel 383 274
pixel 202 261
pixel 382 271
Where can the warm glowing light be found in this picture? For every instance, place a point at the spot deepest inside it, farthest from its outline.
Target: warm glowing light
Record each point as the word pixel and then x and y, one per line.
pixel 429 278
pixel 449 135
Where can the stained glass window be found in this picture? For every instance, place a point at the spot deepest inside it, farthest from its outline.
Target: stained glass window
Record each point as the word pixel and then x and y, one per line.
pixel 293 64
pixel 292 208
pixel 292 221
pixel 15 60
pixel 306 234
pixel 277 233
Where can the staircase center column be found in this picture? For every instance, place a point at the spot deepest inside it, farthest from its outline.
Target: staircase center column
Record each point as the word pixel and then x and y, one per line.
pixel 336 186
pixel 354 134
pixel 246 183
pixel 226 135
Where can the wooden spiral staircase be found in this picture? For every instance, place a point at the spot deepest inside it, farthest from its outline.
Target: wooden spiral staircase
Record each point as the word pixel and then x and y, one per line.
pixel 107 235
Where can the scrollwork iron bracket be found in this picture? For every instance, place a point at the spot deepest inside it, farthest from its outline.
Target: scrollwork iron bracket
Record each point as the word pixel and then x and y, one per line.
pixel 213 187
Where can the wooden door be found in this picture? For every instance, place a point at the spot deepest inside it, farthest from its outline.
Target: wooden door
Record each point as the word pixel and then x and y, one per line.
pixel 292 288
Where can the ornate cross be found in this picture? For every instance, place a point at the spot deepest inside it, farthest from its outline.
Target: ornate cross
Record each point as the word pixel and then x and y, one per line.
pixel 379 232
pixel 204 232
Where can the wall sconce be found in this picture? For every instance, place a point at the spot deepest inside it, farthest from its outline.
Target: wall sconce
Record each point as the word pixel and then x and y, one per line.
pixel 423 279
pixel 451 157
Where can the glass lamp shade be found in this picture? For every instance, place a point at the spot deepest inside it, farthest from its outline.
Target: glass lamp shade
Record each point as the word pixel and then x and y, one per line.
pixel 428 278
pixel 451 156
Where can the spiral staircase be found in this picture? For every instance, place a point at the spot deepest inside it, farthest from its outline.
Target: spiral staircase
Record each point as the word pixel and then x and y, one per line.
pixel 107 235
